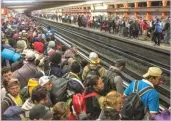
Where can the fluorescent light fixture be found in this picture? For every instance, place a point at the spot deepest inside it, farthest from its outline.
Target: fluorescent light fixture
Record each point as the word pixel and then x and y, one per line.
pixel 19 1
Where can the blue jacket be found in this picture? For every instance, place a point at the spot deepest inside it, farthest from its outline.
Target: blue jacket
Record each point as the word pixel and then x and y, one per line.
pixel 158 27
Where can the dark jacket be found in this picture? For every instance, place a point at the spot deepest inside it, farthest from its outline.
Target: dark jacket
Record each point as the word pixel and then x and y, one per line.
pixel 109 113
pixel 26 72
pixel 92 105
pixel 56 70
pixel 6 103
pixel 16 65
pixel 116 79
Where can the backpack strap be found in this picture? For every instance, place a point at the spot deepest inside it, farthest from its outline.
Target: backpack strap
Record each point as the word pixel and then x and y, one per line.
pixel 135 86
pixel 91 95
pixel 146 89
pixel 77 80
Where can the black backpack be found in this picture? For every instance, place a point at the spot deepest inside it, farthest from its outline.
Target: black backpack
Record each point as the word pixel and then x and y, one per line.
pixel 91 72
pixel 133 108
pixel 59 89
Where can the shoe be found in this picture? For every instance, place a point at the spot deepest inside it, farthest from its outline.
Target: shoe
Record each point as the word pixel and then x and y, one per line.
pixel 154 44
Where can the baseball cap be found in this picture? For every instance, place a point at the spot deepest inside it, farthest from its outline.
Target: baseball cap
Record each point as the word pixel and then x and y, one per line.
pixel 40 111
pixel 94 58
pixel 153 71
pixel 30 55
pixel 43 80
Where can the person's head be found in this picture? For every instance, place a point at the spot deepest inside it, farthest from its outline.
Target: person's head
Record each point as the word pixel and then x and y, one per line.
pixel 75 67
pixel 39 112
pixel 96 83
pixel 55 58
pixel 94 59
pixel 154 75
pixel 40 95
pixel 30 56
pixel 12 86
pixel 45 81
pixel 52 44
pixel 112 99
pixel 74 49
pixel 61 111
pixel 37 75
pixel 6 73
pixel 158 20
pixel 120 64
pixel 84 63
pixel 63 48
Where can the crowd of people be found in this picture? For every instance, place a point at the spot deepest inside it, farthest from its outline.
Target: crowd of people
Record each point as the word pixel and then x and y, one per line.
pixel 44 80
pixel 157 30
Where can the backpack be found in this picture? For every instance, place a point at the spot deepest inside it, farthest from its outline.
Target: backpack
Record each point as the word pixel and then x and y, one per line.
pixel 133 108
pixel 79 103
pixel 108 84
pixel 91 72
pixel 59 89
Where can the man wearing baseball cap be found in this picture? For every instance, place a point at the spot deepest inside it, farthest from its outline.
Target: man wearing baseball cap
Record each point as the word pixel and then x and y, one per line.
pixel 151 98
pixel 39 112
pixel 45 81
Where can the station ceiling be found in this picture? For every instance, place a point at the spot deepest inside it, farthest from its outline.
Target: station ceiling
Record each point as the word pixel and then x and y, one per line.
pixel 29 5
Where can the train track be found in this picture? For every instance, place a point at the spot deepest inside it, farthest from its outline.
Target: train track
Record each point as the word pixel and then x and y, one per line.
pixel 106 60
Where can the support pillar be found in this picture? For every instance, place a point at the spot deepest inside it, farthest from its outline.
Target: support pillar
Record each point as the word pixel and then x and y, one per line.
pixel 148 3
pixel 148 16
pixel 126 5
pixel 116 5
pixel 136 5
pixel 164 3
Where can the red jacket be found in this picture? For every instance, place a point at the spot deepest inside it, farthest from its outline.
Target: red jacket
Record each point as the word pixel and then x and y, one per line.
pixel 38 46
pixel 145 26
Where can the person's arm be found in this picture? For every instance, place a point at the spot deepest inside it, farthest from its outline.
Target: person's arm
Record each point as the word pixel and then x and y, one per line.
pixel 4 106
pixel 119 84
pixel 84 73
pixel 153 103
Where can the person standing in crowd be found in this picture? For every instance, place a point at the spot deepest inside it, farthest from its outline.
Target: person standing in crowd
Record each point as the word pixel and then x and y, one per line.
pixel 92 104
pixel 12 97
pixel 55 65
pixel 115 75
pixel 27 70
pixel 39 112
pixel 45 81
pixel 157 32
pixel 145 28
pixel 135 28
pixel 61 111
pixel 166 29
pixel 111 106
pixel 151 98
pixel 26 92
pixel 93 65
